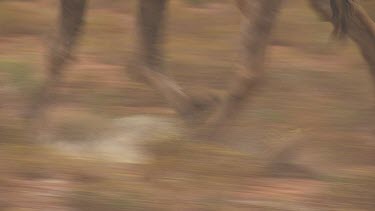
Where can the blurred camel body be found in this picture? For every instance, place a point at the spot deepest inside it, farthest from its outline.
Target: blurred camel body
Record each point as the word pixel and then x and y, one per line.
pixel 259 17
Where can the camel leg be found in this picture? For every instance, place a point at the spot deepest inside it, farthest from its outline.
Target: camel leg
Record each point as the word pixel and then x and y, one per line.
pixel 151 23
pixel 259 17
pixel 69 26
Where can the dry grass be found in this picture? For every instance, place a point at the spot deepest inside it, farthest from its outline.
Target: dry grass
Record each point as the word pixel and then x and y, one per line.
pixel 308 85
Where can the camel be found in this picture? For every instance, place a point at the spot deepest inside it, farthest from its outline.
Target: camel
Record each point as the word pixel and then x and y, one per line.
pixel 258 18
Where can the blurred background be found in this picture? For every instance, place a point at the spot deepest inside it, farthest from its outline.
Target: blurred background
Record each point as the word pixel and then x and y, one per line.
pixel 112 143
